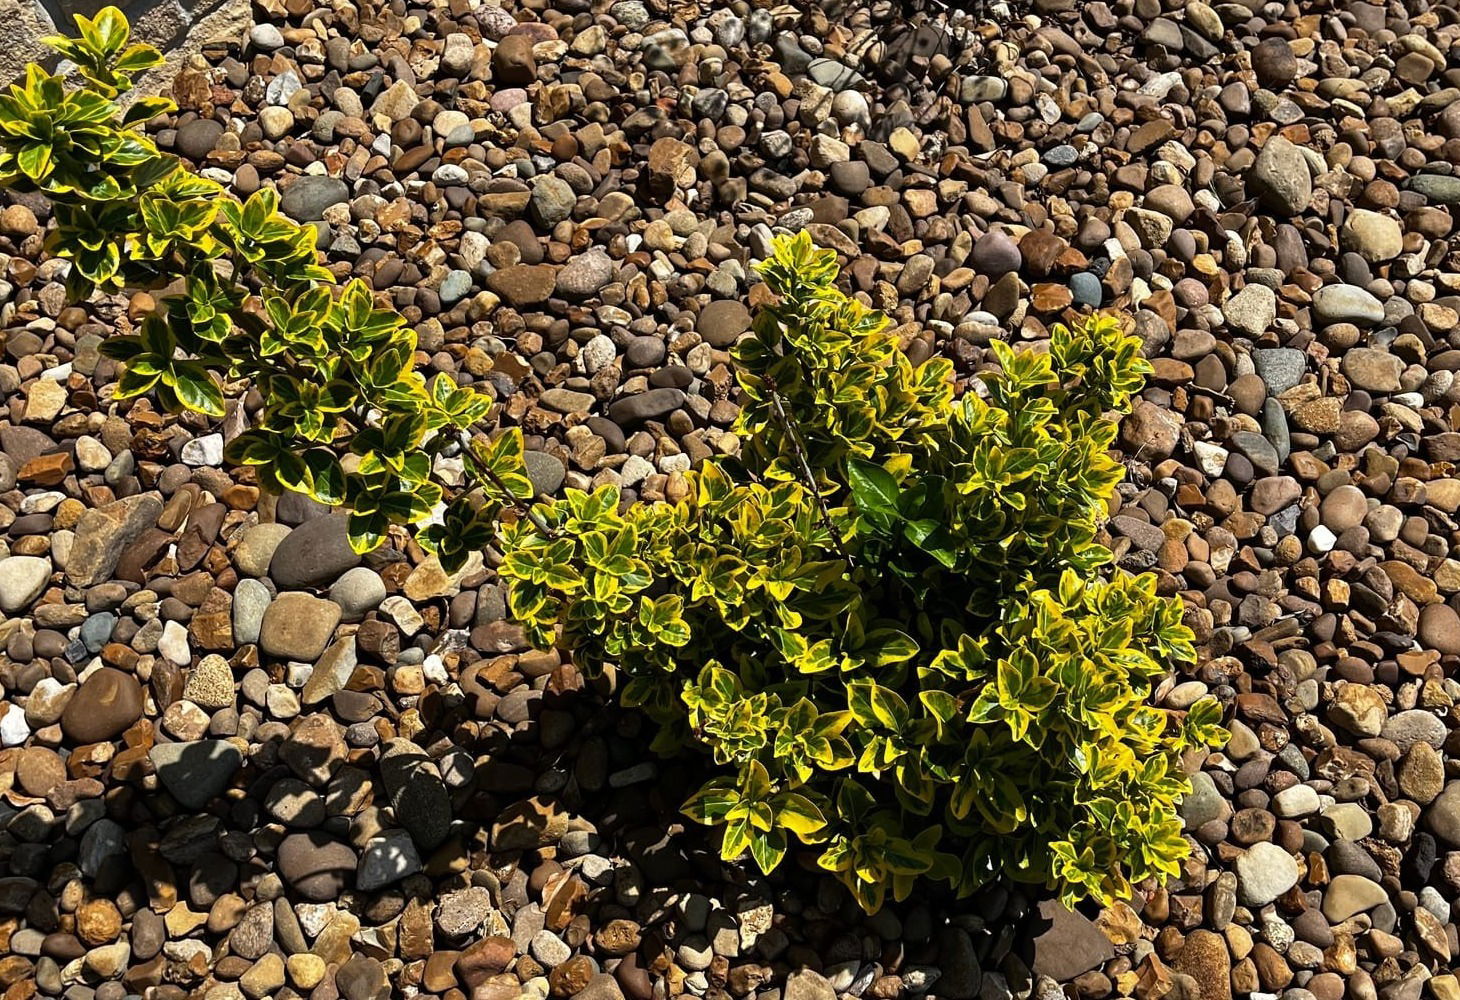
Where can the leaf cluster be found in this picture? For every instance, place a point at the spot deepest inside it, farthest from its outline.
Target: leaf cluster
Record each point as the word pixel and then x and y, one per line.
pixel 346 418
pixel 894 628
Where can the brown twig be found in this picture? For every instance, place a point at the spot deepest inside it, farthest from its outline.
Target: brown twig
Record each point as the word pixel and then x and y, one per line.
pixel 793 435
pixel 513 501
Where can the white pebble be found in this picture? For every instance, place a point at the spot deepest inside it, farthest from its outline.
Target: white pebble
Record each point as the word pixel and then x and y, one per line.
pixel 13 730
pixel 1321 540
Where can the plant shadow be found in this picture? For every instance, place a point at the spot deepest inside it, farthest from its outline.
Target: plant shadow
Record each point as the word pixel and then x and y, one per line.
pixel 698 915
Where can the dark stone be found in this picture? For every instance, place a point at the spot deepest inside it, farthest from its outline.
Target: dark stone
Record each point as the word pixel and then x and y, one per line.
pixel 1066 944
pixel 314 553
pixel 645 406
pixel 308 197
pixel 195 772
pixel 315 865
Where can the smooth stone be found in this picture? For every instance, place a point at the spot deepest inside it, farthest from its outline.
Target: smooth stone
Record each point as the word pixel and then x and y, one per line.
pixel 315 553
pixel 357 592
pixel 1372 370
pixel 417 794
pixel 307 198
pixel 298 626
pixel 22 580
pixel 545 472
pixel 1346 304
pixel 1443 815
pixel 1264 873
pixel 631 410
pixel 1280 368
pixel 1439 628
pixel 197 771
pixel 1443 189
pixel 256 547
pixel 105 704
pixel 1372 236
pixel 387 858
pixel 317 866
pixel 1412 726
pixel 722 322
pixel 1347 895
pixel 1295 802
pixel 251 600
pixel 1066 944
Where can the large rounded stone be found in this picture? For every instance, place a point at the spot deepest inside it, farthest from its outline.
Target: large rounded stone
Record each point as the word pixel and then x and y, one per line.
pixel 584 275
pixel 1264 873
pixel 314 553
pixel 1280 176
pixel 197 138
pixel 1439 628
pixel 195 772
pixel 1346 304
pixel 308 197
pixel 722 322
pixel 104 705
pixel 417 794
pixel 1205 958
pixel 256 547
pixel 315 865
pixel 1372 236
pixel 22 580
pixel 523 284
pixel 298 626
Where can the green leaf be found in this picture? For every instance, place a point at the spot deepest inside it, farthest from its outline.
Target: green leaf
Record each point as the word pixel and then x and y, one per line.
pixel 137 58
pixel 366 531
pixel 767 848
pixel 111 28
pixel 873 488
pixel 884 646
pixel 941 705
pixel 197 390
pixel 134 383
pixel 291 471
pixel 859 701
pixel 797 813
pixel 711 803
pixel 35 160
pixel 144 109
pixel 326 476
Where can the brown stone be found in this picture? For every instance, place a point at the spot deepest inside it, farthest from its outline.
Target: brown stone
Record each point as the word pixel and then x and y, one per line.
pixel 212 625
pixel 568 979
pixel 670 163
pixel 46 470
pixel 532 823
pixel 104 705
pixel 439 974
pixel 523 284
pixel 98 921
pixel 38 770
pixel 485 959
pixel 1205 959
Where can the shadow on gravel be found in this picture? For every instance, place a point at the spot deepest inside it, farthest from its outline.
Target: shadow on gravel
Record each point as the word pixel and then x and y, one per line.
pixel 642 861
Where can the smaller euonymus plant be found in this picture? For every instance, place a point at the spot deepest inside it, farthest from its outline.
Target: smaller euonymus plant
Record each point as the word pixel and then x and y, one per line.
pixel 893 626
pixel 336 370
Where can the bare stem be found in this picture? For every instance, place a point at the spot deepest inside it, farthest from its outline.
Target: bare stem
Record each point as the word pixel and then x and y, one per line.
pixel 526 509
pixel 794 436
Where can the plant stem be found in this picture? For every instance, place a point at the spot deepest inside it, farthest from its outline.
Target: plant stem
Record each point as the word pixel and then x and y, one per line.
pixel 793 435
pixel 527 510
